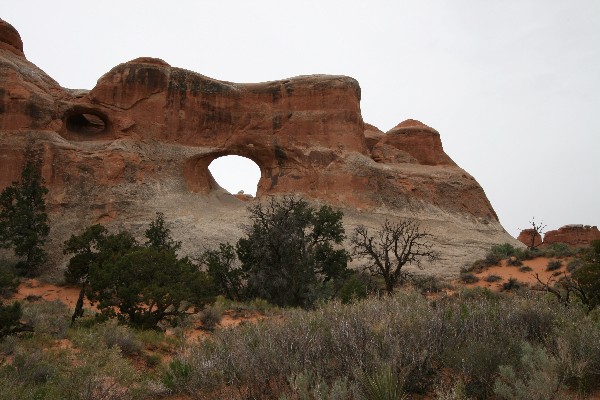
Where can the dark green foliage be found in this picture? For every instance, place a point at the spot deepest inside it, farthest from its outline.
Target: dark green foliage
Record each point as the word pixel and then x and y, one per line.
pixel 355 287
pixel 388 249
pixel 588 280
pixel 289 254
pixel 512 284
pixel 525 268
pixel 139 285
pixel 9 318
pixel 85 249
pixel 159 235
pixel 222 268
pixel 147 285
pixel 23 219
pixel 8 281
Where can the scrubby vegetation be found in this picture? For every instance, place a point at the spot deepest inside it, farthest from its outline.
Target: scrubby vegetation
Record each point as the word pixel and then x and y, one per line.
pixel 373 333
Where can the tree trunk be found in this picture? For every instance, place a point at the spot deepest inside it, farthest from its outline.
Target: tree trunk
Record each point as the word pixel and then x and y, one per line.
pixel 78 313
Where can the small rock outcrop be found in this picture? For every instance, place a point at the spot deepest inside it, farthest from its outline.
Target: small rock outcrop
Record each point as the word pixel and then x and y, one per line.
pixel 573 235
pixel 530 237
pixel 142 139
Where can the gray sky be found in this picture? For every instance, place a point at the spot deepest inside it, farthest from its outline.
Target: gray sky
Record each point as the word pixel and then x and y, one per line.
pixel 512 86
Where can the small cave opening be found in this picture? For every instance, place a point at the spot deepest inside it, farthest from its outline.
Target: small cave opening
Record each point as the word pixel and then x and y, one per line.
pixel 86 123
pixel 236 174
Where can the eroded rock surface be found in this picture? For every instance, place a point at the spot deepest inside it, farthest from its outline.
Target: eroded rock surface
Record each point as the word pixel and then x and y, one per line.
pixel 573 235
pixel 142 139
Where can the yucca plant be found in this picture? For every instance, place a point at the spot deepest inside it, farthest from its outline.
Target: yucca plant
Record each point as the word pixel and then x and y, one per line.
pixel 381 385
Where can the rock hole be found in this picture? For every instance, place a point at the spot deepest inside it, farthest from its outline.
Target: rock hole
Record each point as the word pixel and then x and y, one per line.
pixel 86 123
pixel 238 175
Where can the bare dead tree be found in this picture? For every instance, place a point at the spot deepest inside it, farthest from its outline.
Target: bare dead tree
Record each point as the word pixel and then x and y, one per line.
pixel 563 289
pixel 391 247
pixel 536 230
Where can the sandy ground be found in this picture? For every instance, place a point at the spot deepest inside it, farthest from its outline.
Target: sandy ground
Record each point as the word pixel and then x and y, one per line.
pixel 32 288
pixel 505 272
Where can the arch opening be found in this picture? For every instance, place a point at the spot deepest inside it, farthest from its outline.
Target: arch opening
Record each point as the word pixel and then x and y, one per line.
pixel 236 174
pixel 86 123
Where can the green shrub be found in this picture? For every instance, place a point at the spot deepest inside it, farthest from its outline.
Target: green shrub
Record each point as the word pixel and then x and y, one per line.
pixel 537 377
pixel 355 287
pixel 9 317
pixel 574 265
pixel 525 268
pixel 430 284
pixel 553 265
pixel 492 278
pixel 211 316
pixel 514 262
pixel 383 384
pixel 468 278
pixel 558 250
pixel 47 317
pixel 505 250
pixel 512 284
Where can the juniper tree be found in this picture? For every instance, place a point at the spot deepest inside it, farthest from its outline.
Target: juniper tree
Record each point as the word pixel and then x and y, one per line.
pixel 292 251
pixel 23 219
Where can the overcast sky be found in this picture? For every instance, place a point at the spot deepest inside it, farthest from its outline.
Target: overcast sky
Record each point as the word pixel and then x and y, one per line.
pixel 512 86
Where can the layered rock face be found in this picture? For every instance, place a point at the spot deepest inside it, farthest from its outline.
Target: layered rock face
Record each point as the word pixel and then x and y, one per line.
pixel 573 235
pixel 142 139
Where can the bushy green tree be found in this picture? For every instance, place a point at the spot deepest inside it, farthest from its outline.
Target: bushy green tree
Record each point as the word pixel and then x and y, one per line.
pixel 159 235
pixel 291 251
pixel 224 271
pixel 141 285
pixel 23 219
pixel 10 314
pixel 147 285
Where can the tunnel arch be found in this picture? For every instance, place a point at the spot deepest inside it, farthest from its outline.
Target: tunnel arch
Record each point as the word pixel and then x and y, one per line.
pixel 238 175
pixel 199 178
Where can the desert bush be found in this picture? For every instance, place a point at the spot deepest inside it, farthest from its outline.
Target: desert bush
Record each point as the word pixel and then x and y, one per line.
pixel 468 278
pixel 574 265
pixel 122 337
pixel 511 284
pixel 430 284
pixel 514 262
pixel 8 281
pixel 383 384
pixel 211 316
pixel 355 287
pixel 537 377
pixel 525 268
pixel 492 278
pixel 505 250
pixel 553 265
pixel 47 317
pixel 558 250
pixel 304 385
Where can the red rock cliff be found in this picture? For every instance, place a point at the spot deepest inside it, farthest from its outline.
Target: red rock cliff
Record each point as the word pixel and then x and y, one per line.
pixel 148 131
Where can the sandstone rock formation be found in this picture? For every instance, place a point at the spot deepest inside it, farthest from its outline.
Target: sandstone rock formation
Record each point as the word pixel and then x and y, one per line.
pixel 573 235
pixel 530 237
pixel 142 139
